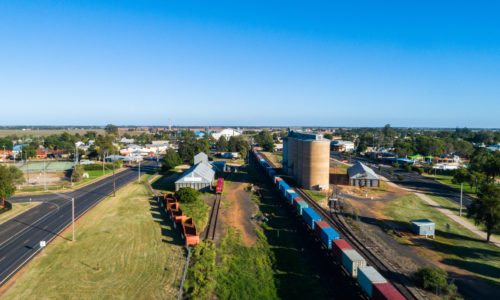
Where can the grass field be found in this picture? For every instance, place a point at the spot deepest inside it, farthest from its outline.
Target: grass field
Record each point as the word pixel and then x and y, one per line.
pixel 455 208
pixel 45 132
pixel 446 179
pixel 457 246
pixel 124 250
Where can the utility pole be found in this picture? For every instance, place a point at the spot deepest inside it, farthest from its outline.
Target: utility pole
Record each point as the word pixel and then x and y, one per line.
pixel 73 216
pixel 44 175
pixel 139 174
pixel 461 196
pixel 114 178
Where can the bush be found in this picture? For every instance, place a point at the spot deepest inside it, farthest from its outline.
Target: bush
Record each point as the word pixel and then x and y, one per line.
pixel 391 172
pixel 187 195
pixel 432 278
pixel 396 165
pixel 400 177
pixel 77 173
pixel 407 168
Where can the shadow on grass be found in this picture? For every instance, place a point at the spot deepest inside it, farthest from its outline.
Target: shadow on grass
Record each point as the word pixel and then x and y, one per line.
pixel 170 234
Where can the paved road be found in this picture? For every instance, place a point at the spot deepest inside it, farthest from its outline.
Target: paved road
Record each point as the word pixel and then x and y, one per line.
pixel 20 237
pixel 417 182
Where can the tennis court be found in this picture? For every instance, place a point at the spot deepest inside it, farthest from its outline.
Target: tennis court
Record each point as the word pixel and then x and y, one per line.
pixel 49 166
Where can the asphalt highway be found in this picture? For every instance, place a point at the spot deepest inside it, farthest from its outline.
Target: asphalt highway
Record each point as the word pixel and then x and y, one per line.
pixel 20 237
pixel 411 180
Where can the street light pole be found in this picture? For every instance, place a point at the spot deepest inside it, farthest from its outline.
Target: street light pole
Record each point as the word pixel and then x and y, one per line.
pixel 461 196
pixel 72 211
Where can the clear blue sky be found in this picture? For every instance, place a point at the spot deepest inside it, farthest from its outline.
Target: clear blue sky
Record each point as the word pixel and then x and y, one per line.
pixel 407 63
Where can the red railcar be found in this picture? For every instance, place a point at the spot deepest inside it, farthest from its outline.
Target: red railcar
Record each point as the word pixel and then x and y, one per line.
pixel 190 232
pixel 219 187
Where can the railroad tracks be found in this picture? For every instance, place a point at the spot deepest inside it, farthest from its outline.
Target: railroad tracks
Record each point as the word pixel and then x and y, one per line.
pixel 212 221
pixel 399 281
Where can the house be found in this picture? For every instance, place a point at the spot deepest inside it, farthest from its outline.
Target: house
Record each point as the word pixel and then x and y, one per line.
pixel 227 133
pixel 200 177
pixel 423 227
pixel 124 140
pixel 342 146
pixel 361 175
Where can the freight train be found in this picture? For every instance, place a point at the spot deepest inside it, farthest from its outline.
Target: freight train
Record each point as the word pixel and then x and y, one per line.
pixel 187 226
pixel 368 278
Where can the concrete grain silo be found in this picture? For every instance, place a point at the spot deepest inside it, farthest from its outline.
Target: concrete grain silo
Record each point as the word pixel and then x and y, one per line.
pixel 316 164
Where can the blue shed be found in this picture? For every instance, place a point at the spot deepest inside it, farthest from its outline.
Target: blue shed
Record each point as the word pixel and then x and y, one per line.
pixel 423 227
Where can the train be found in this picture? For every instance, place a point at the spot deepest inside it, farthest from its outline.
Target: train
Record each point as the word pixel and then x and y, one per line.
pixel 373 284
pixel 187 226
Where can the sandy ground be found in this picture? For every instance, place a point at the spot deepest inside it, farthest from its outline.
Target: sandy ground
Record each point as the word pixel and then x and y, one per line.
pixel 240 211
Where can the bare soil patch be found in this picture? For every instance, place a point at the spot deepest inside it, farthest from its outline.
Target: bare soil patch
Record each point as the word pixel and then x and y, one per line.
pixel 240 210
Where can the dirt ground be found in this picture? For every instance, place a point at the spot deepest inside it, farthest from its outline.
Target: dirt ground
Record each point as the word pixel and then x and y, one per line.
pixel 237 209
pixel 52 178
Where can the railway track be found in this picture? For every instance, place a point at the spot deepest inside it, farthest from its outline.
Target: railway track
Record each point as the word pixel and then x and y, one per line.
pixel 397 279
pixel 212 221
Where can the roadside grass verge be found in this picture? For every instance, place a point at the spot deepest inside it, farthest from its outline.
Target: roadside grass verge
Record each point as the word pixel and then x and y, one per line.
pixel 17 209
pixel 457 246
pixel 124 249
pixel 447 180
pixel 455 209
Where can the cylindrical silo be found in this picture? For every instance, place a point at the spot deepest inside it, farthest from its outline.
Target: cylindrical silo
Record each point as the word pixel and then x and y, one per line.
pixel 299 161
pixel 284 162
pixel 316 164
pixel 293 155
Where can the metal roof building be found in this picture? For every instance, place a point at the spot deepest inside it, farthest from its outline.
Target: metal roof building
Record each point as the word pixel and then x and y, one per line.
pixel 361 175
pixel 200 157
pixel 200 176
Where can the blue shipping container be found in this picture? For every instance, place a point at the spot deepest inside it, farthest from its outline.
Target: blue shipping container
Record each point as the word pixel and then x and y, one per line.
pixel 328 235
pixel 310 216
pixel 291 195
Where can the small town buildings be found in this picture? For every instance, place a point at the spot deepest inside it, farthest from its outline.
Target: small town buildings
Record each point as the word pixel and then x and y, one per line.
pixel 230 155
pixel 227 133
pixel 423 227
pixel 124 140
pixel 342 146
pixel 361 175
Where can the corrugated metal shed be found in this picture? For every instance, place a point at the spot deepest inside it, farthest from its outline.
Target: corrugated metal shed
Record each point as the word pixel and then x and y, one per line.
pixel 359 170
pixel 200 157
pixel 199 176
pixel 423 227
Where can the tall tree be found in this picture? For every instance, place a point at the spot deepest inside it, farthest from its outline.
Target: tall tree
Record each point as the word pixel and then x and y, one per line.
pixel 486 208
pixel 222 144
pixel 111 129
pixel 171 160
pixel 28 151
pixel 9 177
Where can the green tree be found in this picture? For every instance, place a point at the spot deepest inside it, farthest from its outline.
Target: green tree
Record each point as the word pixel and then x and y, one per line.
pixel 328 136
pixel 187 195
pixel 171 160
pixel 111 129
pixel 9 177
pixel 432 278
pixel 461 175
pixel 222 144
pixel 486 208
pixel 28 151
pixel 265 139
pixel 362 148
pixel 6 144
